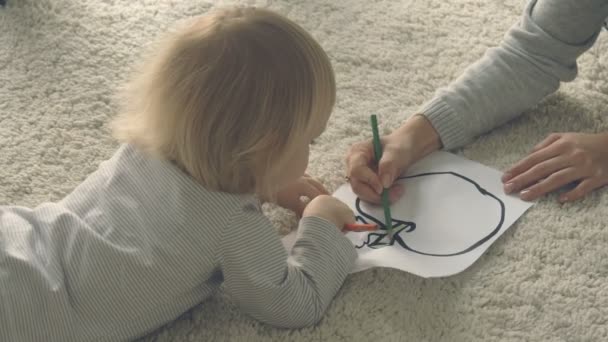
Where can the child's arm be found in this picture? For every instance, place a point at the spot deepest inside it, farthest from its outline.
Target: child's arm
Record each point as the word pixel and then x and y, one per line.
pixel 284 291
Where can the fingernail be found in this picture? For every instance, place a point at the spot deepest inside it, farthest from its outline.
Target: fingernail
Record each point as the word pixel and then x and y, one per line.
pixel 525 194
pixel 377 187
pixel 506 177
pixel 386 181
pixel 509 187
pixel 564 199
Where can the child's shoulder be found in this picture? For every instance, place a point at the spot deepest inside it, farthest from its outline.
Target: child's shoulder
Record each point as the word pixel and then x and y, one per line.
pixel 155 176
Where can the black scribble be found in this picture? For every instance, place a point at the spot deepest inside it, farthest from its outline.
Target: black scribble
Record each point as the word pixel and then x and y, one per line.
pixel 401 227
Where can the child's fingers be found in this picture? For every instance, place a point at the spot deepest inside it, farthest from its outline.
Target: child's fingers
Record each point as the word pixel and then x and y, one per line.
pixel 318 186
pixel 298 208
pixel 311 191
pixel 351 219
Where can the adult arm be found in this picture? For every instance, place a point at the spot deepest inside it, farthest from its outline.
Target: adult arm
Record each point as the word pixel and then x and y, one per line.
pixel 536 54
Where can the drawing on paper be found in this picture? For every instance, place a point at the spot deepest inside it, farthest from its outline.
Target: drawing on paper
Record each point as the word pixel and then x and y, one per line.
pixel 401 228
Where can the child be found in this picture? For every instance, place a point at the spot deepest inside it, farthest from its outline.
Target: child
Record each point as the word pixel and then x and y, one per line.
pixel 222 115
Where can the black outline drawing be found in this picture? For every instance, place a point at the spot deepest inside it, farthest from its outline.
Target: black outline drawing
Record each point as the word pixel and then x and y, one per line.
pixel 374 240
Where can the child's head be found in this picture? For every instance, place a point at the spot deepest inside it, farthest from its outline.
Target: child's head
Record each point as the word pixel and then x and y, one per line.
pixel 234 99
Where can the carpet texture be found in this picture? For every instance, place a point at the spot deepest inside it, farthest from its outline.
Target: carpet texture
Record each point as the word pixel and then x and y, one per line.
pixel 61 62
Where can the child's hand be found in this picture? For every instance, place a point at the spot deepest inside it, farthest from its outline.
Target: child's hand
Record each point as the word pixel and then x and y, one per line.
pixel 290 196
pixel 331 209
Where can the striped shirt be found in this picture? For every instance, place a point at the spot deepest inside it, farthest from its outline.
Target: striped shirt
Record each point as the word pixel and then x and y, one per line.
pixel 139 242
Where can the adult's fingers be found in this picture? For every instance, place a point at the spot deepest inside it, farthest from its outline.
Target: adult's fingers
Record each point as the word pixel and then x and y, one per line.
pixel 359 154
pixel 368 195
pixel 388 168
pixel 395 193
pixel 364 174
pixel 550 139
pixel 536 173
pixel 364 191
pixel 359 159
pixel 530 161
pixel 581 190
pixel 551 183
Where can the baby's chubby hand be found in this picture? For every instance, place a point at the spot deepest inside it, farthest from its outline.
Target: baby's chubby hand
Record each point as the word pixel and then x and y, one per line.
pixel 290 197
pixel 330 209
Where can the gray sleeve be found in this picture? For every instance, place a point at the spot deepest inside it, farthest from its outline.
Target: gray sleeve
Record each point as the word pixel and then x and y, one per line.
pixel 276 288
pixel 34 299
pixel 536 54
pixel 61 280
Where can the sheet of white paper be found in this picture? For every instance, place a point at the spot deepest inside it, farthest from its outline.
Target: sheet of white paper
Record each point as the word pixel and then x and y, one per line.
pixel 452 211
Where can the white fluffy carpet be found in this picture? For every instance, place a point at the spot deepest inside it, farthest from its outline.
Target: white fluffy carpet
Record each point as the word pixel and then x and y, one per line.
pixel 545 279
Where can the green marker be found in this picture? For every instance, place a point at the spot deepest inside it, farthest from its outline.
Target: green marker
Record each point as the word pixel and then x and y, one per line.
pixel 378 154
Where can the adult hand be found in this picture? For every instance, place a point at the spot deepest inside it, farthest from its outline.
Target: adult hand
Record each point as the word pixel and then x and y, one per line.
pixel 400 149
pixel 290 197
pixel 560 159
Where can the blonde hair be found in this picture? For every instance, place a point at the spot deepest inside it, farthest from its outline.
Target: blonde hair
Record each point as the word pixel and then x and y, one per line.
pixel 227 97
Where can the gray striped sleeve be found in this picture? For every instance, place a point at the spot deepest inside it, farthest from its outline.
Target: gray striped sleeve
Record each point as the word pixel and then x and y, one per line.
pixel 287 291
pixel 139 242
